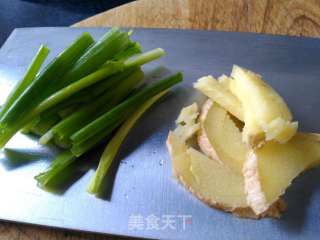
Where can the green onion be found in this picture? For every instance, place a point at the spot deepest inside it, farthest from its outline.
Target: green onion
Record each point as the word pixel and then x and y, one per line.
pixel 44 124
pixel 43 119
pixel 140 59
pixel 18 113
pixel 86 114
pixel 59 166
pixel 121 111
pixel 133 49
pixel 65 112
pixel 96 183
pixel 69 90
pixel 107 70
pixel 62 143
pixel 53 173
pixel 108 46
pixel 78 149
pixel 91 92
pixel 29 76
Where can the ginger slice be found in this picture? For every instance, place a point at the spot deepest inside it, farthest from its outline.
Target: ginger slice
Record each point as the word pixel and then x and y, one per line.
pixel 211 182
pixel 186 122
pixel 220 138
pixel 186 129
pixel 219 93
pixel 225 81
pixel 269 170
pixel 265 113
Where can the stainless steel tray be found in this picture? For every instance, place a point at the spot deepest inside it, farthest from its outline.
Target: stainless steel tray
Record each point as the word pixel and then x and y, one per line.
pixel 144 200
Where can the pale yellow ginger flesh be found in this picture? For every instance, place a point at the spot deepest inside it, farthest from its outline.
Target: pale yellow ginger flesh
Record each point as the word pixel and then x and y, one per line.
pixel 220 138
pixel 225 81
pixel 280 130
pixel 252 151
pixel 218 93
pixel 204 177
pixel 265 113
pixel 208 179
pixel 269 170
pixel 266 179
pixel 176 142
pixel 186 122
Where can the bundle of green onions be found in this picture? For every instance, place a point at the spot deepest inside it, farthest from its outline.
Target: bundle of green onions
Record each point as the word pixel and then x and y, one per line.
pixel 85 95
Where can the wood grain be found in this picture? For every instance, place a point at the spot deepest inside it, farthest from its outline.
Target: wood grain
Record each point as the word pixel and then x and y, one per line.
pixel 287 17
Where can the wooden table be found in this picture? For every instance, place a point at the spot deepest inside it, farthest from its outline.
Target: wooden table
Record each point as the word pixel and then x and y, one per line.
pixel 289 17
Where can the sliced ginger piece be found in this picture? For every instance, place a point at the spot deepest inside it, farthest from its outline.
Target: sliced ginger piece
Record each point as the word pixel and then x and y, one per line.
pixel 220 138
pixel 186 129
pixel 265 113
pixel 269 170
pixel 202 176
pixel 220 94
pixel 210 181
pixel 280 130
pixel 225 81
pixel 186 122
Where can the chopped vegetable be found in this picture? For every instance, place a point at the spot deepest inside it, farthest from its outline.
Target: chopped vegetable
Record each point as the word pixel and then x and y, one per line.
pixel 109 45
pixel 96 183
pixel 81 98
pixel 125 108
pixel 58 165
pixel 12 120
pixel 107 70
pixel 65 128
pixel 29 76
pixel 80 148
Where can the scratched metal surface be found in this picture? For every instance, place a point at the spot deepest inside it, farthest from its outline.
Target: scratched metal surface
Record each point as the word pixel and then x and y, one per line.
pixel 143 184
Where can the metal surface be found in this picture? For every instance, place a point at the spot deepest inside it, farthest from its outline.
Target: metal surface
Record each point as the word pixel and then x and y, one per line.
pixel 143 185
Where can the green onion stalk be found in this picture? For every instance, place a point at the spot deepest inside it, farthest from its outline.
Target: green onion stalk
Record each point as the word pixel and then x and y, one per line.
pixel 27 79
pixel 15 116
pixel 65 128
pixel 96 183
pixel 65 159
pixel 8 127
pixel 124 109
